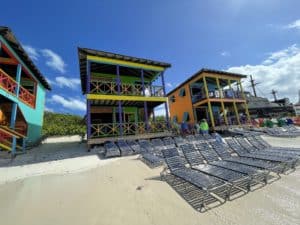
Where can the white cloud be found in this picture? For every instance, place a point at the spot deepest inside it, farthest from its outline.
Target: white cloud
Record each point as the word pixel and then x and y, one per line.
pixel 225 54
pixel 72 83
pixel 32 52
pixel 48 109
pixel 294 25
pixel 279 71
pixel 54 60
pixel 169 85
pixel 68 103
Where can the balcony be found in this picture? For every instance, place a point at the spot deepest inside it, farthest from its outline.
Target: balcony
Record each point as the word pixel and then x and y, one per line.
pixel 10 85
pixel 129 89
pixel 228 94
pixel 113 129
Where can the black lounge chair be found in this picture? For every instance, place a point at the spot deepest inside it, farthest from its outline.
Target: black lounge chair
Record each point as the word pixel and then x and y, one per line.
pixel 241 181
pixel 149 156
pixel 124 148
pixel 261 161
pixel 179 140
pixel 158 145
pixel 169 142
pixel 268 149
pixel 291 159
pixel 134 146
pixel 111 149
pixel 197 188
pixel 220 149
pixel 262 142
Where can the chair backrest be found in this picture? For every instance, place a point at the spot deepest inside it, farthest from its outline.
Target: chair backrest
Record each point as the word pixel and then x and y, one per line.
pixel 179 140
pixel 110 145
pixel 192 155
pixel 208 153
pixel 190 138
pixel 173 160
pixel 243 143
pixel 262 141
pixel 145 144
pixel 122 143
pixel 254 142
pixel 235 146
pixel 220 149
pixel 157 142
pixel 170 152
pixel 134 145
pixel 169 141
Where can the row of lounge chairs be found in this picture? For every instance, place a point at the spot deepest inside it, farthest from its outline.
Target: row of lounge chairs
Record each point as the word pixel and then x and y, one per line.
pixel 207 173
pixel 217 173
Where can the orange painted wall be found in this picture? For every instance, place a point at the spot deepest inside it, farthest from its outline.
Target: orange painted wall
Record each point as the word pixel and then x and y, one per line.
pixel 181 105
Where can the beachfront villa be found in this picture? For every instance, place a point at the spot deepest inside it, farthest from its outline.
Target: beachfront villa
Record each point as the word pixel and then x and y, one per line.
pixel 121 94
pixel 210 94
pixel 22 95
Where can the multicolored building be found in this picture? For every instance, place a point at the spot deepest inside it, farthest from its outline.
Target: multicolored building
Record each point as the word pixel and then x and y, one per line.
pixel 22 95
pixel 210 94
pixel 121 94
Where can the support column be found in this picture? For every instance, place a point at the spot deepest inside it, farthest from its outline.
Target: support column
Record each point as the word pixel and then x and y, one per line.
pixel 166 104
pixel 208 103
pixel 234 103
pixel 145 103
pixel 14 109
pixel 88 102
pixel 245 104
pixel 236 113
pixel 222 103
pixel 120 111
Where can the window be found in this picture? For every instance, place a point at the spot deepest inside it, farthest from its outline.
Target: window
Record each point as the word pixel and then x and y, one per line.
pixel 172 98
pixel 182 92
pixel 186 116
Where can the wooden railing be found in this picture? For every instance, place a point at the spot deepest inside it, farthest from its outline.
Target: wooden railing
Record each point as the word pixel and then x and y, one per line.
pixel 27 97
pixel 111 88
pixel 10 85
pixel 113 129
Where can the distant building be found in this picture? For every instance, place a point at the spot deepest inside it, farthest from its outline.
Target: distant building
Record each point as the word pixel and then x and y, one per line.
pixel 262 107
pixel 211 94
pixel 22 94
pixel 121 93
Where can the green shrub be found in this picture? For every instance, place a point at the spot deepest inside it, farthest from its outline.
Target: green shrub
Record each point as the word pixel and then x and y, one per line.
pixel 63 124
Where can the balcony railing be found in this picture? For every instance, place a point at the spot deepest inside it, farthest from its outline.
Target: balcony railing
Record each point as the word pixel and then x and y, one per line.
pixel 111 88
pixel 26 97
pixel 113 129
pixel 228 94
pixel 10 85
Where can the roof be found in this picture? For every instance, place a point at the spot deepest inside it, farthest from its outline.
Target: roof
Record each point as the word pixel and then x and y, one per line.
pixel 82 56
pixel 206 70
pixel 8 35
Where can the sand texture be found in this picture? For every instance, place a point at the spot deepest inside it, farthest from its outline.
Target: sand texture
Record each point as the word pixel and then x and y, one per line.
pixel 126 191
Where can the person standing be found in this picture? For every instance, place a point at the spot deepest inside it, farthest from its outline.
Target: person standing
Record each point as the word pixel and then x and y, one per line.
pixel 204 126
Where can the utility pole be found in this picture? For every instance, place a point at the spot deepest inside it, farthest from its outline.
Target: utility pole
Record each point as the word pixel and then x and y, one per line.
pixel 253 84
pixel 274 92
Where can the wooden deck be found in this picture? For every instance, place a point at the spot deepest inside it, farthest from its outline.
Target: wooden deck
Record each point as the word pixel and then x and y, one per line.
pixel 95 141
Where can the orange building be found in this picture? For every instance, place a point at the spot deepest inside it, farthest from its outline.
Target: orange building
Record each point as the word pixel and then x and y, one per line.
pixel 211 94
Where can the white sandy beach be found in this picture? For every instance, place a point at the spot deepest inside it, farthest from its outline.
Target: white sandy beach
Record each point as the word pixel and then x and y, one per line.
pixel 87 190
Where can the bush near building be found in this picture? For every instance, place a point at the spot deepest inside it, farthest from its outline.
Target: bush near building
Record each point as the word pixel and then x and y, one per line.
pixel 56 124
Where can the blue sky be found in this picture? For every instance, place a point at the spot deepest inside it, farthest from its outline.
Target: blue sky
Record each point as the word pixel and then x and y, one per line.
pixel 251 37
